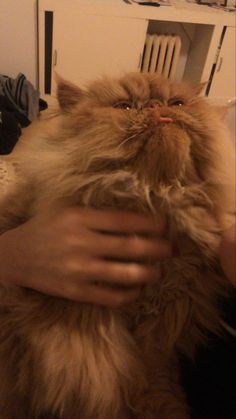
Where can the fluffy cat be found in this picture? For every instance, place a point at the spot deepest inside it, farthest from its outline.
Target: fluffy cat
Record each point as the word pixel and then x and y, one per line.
pixel 139 143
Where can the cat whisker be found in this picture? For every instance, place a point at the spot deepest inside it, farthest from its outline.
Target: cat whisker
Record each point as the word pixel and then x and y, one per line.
pixel 126 140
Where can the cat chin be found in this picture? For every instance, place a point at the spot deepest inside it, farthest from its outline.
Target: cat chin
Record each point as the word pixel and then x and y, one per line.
pixel 162 161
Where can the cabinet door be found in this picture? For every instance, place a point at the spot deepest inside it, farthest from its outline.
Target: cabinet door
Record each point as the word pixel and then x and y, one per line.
pixel 223 84
pixel 89 46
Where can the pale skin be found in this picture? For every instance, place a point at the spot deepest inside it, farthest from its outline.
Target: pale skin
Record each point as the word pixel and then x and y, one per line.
pixel 77 254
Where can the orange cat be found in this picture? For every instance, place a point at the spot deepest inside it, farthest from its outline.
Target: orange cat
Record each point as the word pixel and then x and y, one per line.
pixel 139 143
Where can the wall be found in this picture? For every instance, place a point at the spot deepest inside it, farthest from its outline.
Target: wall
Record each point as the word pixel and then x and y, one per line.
pixel 18 38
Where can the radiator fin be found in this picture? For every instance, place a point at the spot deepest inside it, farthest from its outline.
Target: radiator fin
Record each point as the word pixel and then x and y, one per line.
pixel 161 54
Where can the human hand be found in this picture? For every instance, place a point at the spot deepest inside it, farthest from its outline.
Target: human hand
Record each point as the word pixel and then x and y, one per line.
pixel 101 257
pixel 227 253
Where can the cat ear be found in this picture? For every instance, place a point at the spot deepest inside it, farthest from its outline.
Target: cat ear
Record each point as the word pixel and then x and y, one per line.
pixel 68 94
pixel 198 88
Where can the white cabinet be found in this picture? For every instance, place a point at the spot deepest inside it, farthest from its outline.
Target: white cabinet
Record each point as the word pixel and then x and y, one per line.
pixel 223 87
pixel 87 46
pixel 223 82
pixel 90 46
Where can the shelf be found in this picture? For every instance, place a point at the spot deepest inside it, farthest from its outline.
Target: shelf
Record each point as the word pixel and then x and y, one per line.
pixel 181 11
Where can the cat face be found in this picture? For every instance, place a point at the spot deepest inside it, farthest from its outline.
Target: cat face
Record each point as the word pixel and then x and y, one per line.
pixel 145 124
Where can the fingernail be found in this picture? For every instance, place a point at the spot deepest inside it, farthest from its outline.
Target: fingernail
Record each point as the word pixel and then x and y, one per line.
pixel 175 250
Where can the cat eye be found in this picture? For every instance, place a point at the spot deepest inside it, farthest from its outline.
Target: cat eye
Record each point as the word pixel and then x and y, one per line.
pixel 123 105
pixel 176 102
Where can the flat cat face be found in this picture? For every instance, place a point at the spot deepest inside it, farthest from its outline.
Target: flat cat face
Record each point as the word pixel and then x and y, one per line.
pixel 162 131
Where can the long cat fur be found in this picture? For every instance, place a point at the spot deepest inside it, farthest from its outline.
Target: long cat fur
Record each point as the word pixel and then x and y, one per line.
pixel 79 361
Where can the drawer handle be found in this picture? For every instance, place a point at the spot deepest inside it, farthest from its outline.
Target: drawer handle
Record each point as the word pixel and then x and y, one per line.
pixel 54 61
pixel 220 64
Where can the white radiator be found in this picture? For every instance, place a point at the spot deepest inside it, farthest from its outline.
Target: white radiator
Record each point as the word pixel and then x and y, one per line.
pixel 161 55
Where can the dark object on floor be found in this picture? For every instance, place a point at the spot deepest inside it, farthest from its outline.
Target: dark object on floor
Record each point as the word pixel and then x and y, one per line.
pixel 19 105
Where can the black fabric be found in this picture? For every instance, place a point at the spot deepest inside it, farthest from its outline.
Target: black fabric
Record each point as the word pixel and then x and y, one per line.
pixel 16 109
pixel 9 132
pixel 210 384
pixel 10 125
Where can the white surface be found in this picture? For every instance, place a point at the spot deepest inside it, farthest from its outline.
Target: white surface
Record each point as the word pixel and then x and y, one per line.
pixel 18 38
pixel 229 106
pixel 224 83
pixel 92 46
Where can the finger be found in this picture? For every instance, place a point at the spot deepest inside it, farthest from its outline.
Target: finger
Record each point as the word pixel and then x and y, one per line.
pixel 103 296
pixel 126 274
pixel 121 222
pixel 135 248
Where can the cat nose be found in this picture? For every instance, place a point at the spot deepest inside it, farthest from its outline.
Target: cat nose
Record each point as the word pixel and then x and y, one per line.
pixel 164 119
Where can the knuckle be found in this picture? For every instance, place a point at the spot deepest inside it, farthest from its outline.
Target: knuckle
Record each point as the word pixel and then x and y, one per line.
pixel 144 247
pixel 134 246
pixel 135 273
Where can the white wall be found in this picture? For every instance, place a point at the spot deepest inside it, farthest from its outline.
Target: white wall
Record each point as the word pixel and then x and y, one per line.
pixel 18 38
